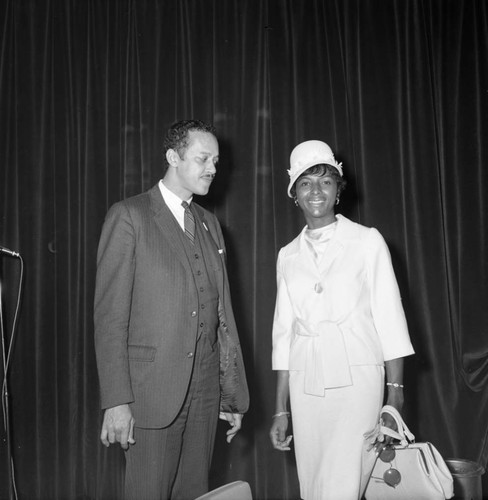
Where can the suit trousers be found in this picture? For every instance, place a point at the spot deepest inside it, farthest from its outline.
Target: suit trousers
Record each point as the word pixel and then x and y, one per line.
pixel 174 462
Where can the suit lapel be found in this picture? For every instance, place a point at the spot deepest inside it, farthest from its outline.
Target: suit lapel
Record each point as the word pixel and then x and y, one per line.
pixel 213 255
pixel 170 230
pixel 334 250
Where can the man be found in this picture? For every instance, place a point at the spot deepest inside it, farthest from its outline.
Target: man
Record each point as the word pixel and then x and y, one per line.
pixel 164 325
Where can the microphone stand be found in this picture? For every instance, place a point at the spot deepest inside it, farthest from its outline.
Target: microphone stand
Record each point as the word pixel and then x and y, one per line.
pixel 5 400
pixel 6 352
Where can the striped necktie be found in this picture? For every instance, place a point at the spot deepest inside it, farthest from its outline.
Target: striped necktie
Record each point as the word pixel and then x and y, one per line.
pixel 189 222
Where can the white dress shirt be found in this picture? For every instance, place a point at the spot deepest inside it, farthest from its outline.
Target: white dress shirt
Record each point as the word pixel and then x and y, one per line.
pixel 174 203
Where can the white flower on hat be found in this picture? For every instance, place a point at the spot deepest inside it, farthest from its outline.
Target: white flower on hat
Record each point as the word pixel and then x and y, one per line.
pixel 306 155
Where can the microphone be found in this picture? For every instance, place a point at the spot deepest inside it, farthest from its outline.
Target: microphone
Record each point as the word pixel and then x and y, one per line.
pixel 9 252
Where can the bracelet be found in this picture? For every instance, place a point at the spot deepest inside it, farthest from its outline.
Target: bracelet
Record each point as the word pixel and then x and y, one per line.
pixel 281 413
pixel 395 385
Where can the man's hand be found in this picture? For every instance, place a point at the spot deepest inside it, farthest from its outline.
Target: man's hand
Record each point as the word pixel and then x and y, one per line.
pixel 235 420
pixel 118 426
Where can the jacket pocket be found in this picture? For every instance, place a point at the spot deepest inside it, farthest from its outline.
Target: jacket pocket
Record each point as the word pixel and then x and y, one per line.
pixel 142 353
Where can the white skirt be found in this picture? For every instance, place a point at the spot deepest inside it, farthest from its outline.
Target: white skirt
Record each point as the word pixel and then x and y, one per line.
pixel 329 433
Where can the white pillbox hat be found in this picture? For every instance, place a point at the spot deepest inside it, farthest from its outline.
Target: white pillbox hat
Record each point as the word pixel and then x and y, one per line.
pixel 306 155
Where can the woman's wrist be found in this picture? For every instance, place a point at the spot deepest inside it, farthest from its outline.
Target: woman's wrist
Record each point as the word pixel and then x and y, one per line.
pixel 396 399
pixel 281 414
pixel 395 385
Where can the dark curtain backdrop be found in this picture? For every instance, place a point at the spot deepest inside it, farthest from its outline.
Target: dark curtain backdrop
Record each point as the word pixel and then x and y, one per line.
pixel 398 88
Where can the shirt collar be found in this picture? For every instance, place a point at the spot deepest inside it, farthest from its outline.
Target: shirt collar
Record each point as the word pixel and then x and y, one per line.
pixel 171 199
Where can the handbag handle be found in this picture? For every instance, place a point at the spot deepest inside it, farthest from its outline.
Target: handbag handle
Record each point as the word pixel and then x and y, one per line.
pixel 403 434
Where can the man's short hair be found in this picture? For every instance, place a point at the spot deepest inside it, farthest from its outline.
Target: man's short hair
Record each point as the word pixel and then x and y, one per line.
pixel 177 136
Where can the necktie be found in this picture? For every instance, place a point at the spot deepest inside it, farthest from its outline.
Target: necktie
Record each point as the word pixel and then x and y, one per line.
pixel 189 222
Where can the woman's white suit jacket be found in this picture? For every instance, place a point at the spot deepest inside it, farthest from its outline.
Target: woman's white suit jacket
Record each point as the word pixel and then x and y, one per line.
pixel 344 310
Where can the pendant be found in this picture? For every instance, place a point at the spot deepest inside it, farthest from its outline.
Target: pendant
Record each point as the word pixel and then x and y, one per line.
pixel 318 288
pixel 392 477
pixel 387 454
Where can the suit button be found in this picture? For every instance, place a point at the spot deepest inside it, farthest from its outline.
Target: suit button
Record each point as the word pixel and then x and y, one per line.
pixel 189 355
pixel 193 314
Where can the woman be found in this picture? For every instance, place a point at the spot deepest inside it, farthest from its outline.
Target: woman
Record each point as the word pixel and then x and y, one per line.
pixel 338 325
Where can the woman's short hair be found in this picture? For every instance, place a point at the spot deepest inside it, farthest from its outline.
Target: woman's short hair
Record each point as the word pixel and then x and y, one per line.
pixel 321 170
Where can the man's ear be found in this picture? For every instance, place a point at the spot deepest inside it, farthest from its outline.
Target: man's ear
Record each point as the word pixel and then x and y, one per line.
pixel 172 157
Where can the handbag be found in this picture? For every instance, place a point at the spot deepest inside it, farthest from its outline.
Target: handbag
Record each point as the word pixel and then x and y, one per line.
pixel 408 470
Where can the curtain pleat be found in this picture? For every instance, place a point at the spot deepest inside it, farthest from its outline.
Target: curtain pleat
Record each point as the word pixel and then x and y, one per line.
pixel 87 89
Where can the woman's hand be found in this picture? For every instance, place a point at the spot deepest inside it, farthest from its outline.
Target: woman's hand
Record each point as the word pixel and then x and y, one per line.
pixel 280 419
pixel 278 433
pixel 376 439
pixel 389 421
pixel 395 398
pixel 384 440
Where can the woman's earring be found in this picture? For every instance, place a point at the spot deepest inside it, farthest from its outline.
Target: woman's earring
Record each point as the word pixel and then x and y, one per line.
pixel 337 201
pixel 296 202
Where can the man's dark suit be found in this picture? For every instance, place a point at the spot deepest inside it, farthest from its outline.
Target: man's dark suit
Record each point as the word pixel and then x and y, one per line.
pixel 147 312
